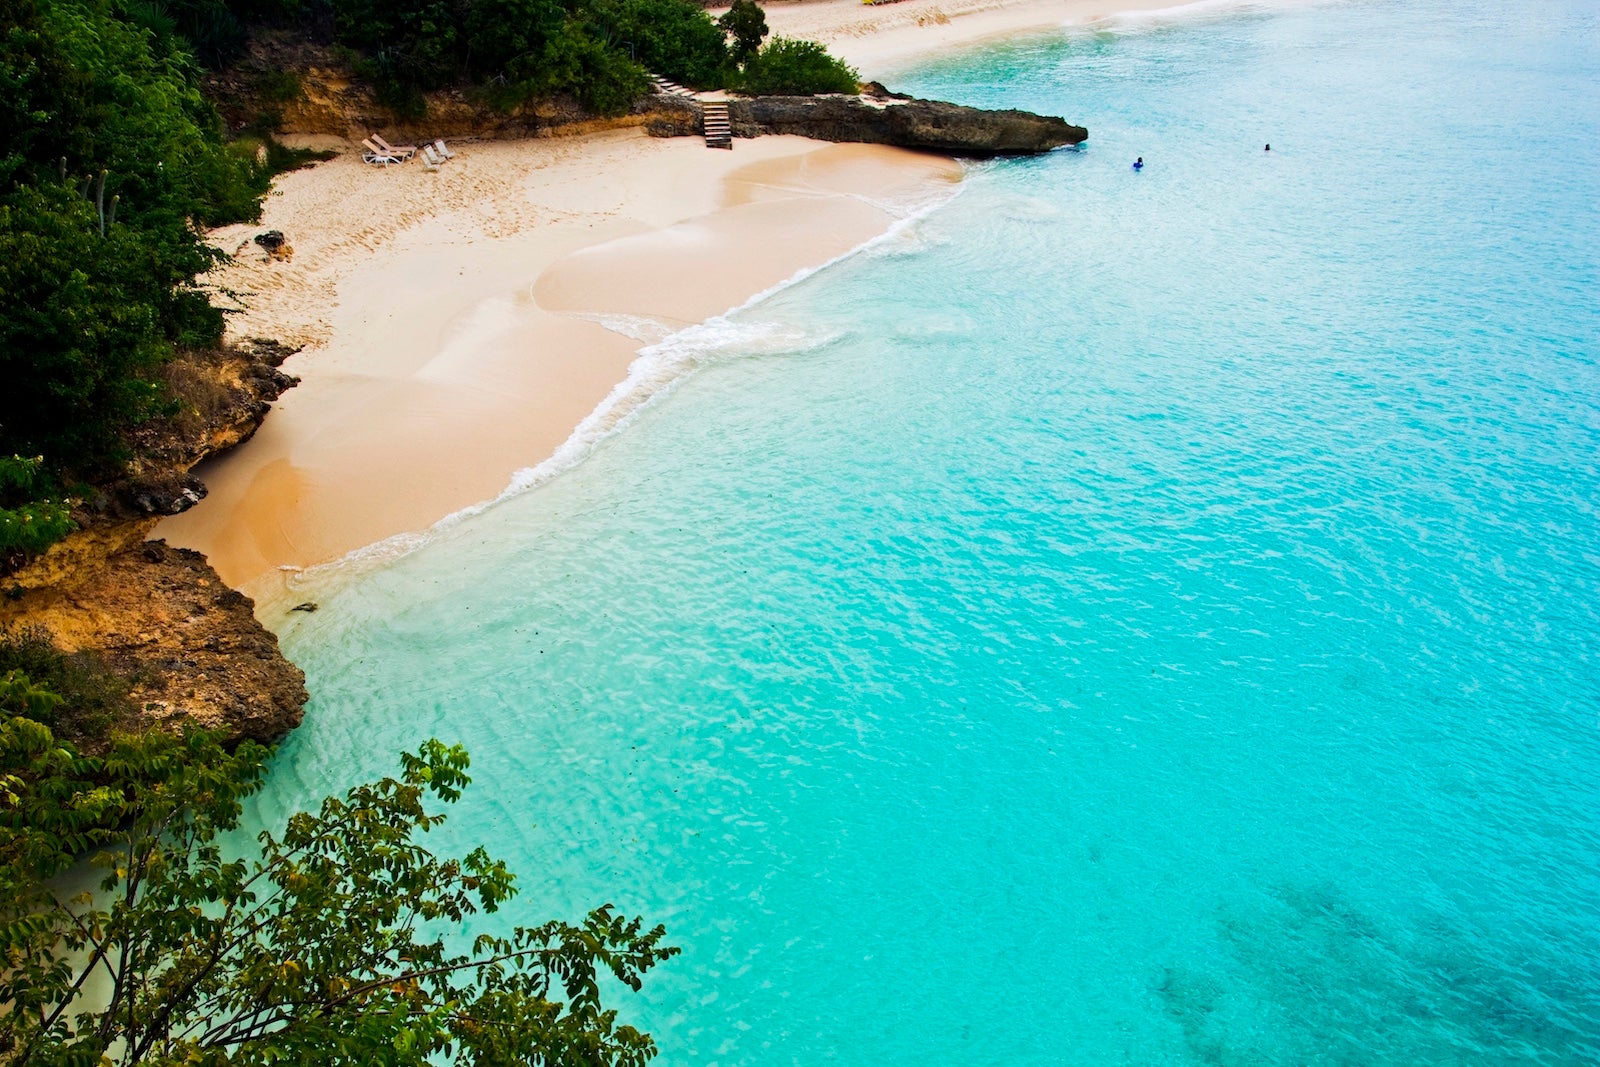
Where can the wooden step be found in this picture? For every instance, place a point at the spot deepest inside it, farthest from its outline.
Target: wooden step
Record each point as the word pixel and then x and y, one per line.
pixel 715 125
pixel 665 87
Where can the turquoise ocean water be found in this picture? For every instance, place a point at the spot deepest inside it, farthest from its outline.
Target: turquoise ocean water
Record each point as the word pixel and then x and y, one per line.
pixel 1144 618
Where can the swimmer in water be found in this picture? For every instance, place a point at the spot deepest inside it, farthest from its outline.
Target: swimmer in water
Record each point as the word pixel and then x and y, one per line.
pixel 1138 164
pixel 1267 149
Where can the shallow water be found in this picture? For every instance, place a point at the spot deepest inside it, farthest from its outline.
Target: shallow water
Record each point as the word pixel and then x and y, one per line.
pixel 1126 617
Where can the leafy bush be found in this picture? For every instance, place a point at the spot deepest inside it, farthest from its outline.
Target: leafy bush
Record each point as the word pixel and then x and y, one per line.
pixel 82 322
pixel 523 50
pixel 675 38
pixel 786 67
pixel 320 944
pixel 602 79
pixel 31 518
pixel 511 38
pixel 20 696
pixel 89 698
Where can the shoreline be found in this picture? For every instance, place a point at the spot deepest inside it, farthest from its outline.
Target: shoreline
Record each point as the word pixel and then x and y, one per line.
pixel 452 321
pixel 452 324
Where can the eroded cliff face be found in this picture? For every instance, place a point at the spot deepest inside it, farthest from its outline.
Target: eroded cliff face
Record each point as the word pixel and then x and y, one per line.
pixel 295 88
pixel 190 647
pixel 160 617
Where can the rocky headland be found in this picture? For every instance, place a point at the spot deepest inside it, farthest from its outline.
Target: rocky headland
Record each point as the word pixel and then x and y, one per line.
pixel 188 646
pixel 880 117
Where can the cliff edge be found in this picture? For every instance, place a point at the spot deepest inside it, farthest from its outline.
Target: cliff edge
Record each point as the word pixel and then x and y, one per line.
pixel 188 646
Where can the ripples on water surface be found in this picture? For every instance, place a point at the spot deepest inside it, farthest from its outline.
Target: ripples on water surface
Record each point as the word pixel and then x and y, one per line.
pixel 1144 618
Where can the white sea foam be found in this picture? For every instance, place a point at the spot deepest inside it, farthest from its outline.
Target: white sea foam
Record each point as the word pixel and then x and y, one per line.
pixel 639 327
pixel 658 368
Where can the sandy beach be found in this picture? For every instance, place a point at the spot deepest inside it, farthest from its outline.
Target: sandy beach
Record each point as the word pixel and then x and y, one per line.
pixel 879 39
pixel 450 319
pixel 454 323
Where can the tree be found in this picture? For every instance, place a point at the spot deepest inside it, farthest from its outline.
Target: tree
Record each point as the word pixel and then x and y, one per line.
pixel 110 162
pixel 80 328
pixel 325 947
pixel 786 67
pixel 746 23
pixel 673 38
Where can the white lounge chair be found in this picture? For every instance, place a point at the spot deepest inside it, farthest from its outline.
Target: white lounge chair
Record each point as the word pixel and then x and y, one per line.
pixel 438 146
pixel 371 153
pixel 431 159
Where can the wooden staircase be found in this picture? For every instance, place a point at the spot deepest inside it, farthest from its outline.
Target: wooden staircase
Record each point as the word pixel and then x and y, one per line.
pixel 713 113
pixel 714 120
pixel 669 88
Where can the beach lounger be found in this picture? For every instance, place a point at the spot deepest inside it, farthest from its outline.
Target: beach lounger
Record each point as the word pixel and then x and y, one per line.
pixel 371 153
pixel 404 151
pixel 438 146
pixel 431 159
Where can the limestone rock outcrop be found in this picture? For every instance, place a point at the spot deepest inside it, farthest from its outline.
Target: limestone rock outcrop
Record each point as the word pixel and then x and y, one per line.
pixel 930 125
pixel 161 617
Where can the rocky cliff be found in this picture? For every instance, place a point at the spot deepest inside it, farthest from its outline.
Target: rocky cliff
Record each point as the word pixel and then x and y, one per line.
pixel 292 87
pixel 189 647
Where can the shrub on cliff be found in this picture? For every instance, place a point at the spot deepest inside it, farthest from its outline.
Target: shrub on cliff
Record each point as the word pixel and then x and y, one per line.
pixel 321 946
pixel 579 63
pixel 786 67
pixel 87 698
pixel 513 50
pixel 31 517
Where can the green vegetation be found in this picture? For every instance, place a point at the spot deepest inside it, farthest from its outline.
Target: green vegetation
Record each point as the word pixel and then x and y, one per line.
pixel 786 67
pixel 87 697
pixel 320 945
pixel 31 518
pixel 674 38
pixel 110 162
pixel 594 50
pixel 746 24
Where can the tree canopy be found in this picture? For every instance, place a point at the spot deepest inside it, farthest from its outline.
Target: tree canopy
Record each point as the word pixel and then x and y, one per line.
pixel 323 944
pixel 746 24
pixel 110 163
